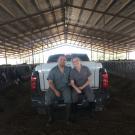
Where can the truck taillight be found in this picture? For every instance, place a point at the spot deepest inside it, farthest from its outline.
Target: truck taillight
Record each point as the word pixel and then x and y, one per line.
pixel 33 83
pixel 105 81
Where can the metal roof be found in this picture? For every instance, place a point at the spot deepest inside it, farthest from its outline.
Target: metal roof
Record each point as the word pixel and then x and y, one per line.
pixel 28 26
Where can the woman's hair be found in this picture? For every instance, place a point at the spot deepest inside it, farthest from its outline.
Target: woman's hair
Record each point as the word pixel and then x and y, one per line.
pixel 75 58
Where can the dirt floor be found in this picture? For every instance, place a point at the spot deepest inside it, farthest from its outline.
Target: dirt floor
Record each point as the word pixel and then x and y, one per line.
pixel 118 117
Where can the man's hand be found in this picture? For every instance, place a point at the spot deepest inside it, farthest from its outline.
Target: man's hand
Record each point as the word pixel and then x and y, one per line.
pixel 57 93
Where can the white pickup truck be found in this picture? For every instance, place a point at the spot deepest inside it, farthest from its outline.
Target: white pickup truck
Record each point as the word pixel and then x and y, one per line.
pixel 99 80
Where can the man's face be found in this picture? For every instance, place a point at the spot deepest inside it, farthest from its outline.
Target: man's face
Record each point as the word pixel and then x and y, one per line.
pixel 76 62
pixel 62 61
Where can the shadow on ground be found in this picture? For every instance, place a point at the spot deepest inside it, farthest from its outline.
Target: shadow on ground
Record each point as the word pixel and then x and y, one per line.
pixel 118 117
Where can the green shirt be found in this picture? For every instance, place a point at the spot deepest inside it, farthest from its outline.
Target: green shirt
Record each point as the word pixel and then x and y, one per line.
pixel 60 80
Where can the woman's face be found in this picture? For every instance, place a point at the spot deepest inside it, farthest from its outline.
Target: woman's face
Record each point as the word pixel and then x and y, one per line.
pixel 76 62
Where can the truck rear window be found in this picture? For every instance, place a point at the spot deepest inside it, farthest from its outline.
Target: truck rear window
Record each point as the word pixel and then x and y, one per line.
pixel 54 58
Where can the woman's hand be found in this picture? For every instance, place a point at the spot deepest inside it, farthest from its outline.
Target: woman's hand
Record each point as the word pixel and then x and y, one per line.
pixel 81 88
pixel 78 91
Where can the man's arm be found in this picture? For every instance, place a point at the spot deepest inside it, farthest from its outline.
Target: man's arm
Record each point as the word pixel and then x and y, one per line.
pixel 75 87
pixel 88 81
pixel 52 86
pixel 51 78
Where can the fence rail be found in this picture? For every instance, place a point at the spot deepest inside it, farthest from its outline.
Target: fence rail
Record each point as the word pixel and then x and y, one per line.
pixel 122 68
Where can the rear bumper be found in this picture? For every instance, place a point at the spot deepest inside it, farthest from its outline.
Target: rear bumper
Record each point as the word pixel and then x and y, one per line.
pixel 38 102
pixel 101 94
pixel 101 97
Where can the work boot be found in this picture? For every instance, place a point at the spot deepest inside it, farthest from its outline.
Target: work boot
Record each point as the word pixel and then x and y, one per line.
pixel 68 114
pixel 50 115
pixel 92 109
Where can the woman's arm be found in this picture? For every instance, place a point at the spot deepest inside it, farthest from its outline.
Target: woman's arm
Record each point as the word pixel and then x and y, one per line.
pixel 75 87
pixel 86 84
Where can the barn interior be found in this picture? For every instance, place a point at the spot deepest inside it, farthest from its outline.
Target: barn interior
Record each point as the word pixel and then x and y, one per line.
pixel 31 27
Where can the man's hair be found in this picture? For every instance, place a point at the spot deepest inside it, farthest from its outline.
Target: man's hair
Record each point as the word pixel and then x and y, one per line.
pixel 62 55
